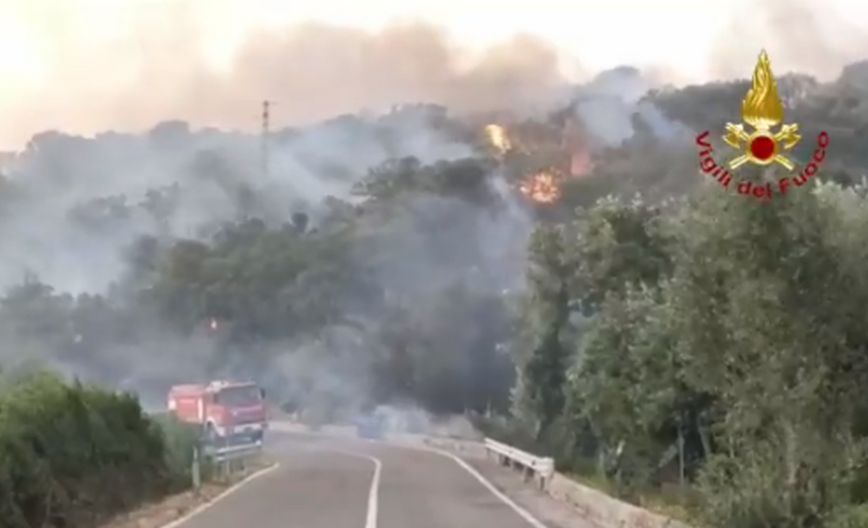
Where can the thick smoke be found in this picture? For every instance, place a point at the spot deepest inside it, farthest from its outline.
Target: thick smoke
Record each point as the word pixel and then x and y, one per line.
pixel 447 267
pixel 73 203
pixel 312 71
pixel 806 36
pixel 177 183
pixel 609 105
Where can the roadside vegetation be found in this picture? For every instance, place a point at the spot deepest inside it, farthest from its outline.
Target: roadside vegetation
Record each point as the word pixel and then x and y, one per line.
pixel 659 336
pixel 710 351
pixel 73 455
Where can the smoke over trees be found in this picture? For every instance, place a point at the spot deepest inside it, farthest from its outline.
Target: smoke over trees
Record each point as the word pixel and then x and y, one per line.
pixel 217 271
pixel 712 343
pixel 391 259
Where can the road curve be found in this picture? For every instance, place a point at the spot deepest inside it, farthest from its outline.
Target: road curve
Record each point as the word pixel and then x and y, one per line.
pixel 349 483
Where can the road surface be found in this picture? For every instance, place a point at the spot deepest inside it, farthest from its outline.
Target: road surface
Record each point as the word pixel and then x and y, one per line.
pixel 350 483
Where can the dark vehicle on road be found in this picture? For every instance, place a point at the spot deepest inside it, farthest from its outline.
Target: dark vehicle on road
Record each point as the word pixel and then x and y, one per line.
pixel 371 426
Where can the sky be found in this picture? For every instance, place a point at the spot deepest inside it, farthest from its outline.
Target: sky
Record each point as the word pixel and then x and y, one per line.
pixel 83 66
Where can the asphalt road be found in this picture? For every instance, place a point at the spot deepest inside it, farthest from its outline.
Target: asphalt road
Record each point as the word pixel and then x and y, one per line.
pixel 349 483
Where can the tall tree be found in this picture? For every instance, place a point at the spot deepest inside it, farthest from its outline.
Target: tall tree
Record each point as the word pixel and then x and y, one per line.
pixel 539 396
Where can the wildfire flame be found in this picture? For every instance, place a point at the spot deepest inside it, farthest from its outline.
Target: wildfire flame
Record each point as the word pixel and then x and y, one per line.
pixel 575 141
pixel 762 106
pixel 580 164
pixel 542 187
pixel 498 138
pixel 564 149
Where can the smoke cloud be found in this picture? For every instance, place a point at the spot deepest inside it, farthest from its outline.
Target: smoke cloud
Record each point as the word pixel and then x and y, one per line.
pixel 173 182
pixel 804 36
pixel 312 72
pixel 70 207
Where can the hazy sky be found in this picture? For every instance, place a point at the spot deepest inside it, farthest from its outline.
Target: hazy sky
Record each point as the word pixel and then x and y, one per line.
pixel 88 65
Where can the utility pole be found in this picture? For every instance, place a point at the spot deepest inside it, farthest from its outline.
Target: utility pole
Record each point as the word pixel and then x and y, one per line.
pixel 266 106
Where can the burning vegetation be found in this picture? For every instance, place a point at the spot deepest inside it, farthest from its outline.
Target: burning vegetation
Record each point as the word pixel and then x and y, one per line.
pixel 497 137
pixel 562 151
pixel 542 187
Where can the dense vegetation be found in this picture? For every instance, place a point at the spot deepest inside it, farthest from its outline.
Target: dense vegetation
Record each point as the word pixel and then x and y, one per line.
pixel 73 455
pixel 722 344
pixel 711 341
pixel 688 336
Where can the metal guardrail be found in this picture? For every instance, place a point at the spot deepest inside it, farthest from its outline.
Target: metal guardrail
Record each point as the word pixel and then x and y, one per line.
pixel 233 452
pixel 542 467
pixel 226 459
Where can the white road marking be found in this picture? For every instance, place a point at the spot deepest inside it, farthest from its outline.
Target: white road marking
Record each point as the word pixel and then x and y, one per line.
pixel 231 490
pixel 374 492
pixel 371 520
pixel 524 514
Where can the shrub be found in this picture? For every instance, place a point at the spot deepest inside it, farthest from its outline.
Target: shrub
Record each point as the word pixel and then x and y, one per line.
pixel 71 455
pixel 180 439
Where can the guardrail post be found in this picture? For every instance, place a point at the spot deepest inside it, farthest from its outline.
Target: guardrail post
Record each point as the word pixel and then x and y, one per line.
pixel 538 469
pixel 195 470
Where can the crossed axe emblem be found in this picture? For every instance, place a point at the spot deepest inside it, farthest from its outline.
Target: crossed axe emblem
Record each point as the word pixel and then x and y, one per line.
pixel 762 147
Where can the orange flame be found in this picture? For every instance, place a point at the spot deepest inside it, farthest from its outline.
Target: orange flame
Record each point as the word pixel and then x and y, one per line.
pixel 580 163
pixel 575 142
pixel 498 138
pixel 542 187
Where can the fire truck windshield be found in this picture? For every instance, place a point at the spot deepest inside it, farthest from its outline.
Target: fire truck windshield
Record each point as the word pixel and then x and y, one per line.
pixel 238 396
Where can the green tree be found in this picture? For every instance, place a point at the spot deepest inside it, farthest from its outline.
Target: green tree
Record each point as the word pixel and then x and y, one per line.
pixel 539 397
pixel 765 308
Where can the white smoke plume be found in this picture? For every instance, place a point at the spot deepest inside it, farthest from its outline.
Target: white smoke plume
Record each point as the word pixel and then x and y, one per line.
pixel 312 72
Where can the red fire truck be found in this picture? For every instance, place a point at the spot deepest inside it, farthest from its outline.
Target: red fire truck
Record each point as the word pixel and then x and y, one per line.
pixel 226 410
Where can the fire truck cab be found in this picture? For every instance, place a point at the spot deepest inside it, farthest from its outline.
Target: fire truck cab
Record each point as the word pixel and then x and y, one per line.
pixel 226 410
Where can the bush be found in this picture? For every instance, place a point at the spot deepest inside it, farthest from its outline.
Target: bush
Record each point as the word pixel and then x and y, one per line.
pixel 180 439
pixel 850 517
pixel 71 455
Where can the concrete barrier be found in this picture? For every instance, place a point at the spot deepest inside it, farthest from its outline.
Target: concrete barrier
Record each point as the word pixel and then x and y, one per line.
pixel 597 507
pixel 606 511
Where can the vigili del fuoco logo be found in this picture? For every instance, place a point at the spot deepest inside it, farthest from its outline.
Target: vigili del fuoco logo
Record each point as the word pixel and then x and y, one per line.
pixel 762 110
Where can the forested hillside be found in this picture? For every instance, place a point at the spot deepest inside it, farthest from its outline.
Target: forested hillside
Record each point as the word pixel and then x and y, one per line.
pixel 711 342
pixel 685 335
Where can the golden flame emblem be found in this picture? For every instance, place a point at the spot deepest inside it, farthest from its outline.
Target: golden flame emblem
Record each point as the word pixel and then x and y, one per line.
pixel 763 110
